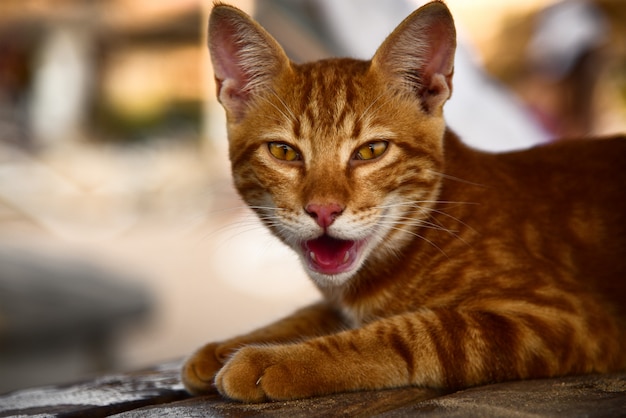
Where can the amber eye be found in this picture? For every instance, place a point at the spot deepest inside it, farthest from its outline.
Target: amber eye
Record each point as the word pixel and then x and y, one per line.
pixel 371 150
pixel 283 151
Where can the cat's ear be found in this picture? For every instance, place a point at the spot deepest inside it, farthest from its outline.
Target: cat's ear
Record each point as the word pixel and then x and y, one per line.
pixel 245 58
pixel 419 54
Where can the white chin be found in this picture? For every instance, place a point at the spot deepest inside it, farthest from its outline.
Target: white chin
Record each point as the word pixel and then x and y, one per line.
pixel 330 280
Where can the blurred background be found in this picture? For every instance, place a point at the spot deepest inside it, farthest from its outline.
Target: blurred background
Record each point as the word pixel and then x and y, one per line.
pixel 122 242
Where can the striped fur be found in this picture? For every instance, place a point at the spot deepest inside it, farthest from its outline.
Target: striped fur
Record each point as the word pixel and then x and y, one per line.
pixel 467 267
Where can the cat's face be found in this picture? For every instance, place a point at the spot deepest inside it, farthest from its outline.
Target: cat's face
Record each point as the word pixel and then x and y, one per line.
pixel 336 175
pixel 339 158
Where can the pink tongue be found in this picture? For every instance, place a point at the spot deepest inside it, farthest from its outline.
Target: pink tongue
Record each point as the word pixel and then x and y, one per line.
pixel 329 253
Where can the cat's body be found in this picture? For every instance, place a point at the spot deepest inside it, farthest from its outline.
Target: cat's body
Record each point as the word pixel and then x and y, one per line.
pixel 440 265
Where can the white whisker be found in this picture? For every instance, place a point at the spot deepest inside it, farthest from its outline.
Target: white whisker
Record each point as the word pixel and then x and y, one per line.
pixel 460 180
pixel 417 223
pixel 369 108
pixel 276 107
pixel 287 109
pixel 415 234
pixel 429 210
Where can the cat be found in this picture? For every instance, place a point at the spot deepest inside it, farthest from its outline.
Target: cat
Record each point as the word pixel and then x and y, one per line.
pixel 440 266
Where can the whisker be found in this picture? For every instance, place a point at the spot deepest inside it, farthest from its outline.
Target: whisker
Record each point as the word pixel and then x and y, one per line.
pixel 427 225
pixel 229 231
pixel 454 218
pixel 266 208
pixel 280 99
pixel 265 99
pixel 416 203
pixel 418 223
pixel 415 234
pixel 433 222
pixel 460 180
pixel 369 109
pixel 430 210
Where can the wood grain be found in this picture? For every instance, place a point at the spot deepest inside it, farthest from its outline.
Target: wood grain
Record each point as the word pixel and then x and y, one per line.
pixel 158 392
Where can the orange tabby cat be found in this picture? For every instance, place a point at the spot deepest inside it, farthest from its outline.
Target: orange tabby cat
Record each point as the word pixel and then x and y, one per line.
pixel 440 266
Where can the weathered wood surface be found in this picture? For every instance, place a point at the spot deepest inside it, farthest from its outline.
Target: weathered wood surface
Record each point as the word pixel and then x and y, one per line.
pixel 99 397
pixel 158 392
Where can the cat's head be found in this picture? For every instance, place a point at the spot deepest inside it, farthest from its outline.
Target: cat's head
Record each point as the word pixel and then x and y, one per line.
pixel 339 158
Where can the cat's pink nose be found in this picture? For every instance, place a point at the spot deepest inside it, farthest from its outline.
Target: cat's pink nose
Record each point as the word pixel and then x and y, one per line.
pixel 324 214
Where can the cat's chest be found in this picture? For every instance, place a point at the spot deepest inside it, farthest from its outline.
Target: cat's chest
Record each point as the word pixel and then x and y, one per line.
pixel 395 292
pixel 359 312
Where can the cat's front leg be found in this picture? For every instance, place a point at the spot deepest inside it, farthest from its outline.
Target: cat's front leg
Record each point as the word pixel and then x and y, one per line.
pixel 322 366
pixel 200 368
pixel 437 348
pixel 348 361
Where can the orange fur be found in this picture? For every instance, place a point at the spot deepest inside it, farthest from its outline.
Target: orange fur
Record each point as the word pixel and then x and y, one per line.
pixel 440 266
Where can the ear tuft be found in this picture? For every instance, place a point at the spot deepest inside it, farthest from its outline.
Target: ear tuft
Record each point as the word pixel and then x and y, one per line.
pixel 245 58
pixel 419 55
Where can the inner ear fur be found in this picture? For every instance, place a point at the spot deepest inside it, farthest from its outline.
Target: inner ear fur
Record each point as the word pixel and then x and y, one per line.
pixel 419 55
pixel 245 58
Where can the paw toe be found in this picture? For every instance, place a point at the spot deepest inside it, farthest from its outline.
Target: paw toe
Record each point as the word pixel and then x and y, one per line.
pixel 240 379
pixel 198 373
pixel 197 379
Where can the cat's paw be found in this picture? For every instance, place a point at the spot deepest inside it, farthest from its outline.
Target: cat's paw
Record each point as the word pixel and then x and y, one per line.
pixel 257 374
pixel 198 373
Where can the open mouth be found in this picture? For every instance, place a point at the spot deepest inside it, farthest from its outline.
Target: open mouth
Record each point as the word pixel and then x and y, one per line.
pixel 328 255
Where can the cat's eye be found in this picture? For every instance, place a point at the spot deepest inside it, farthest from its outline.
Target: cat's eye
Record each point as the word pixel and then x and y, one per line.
pixel 283 152
pixel 370 150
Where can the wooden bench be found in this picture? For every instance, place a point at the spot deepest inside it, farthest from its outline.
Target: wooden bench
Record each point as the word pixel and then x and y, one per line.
pixel 158 392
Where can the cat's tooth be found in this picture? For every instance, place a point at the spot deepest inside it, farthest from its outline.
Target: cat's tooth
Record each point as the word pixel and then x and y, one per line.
pixel 312 255
pixel 346 256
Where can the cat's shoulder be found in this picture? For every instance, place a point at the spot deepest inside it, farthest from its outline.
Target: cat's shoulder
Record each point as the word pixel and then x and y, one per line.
pixel 576 152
